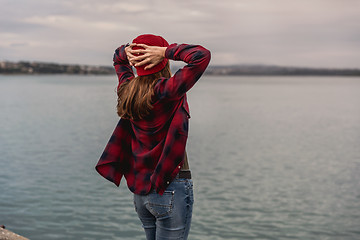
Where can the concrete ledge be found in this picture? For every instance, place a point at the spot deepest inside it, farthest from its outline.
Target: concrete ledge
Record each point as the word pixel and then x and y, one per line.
pixel 8 235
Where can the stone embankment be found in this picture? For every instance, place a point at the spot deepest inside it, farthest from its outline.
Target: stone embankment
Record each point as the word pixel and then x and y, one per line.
pixel 8 235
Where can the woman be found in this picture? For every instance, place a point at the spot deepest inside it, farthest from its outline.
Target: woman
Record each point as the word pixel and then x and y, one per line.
pixel 147 146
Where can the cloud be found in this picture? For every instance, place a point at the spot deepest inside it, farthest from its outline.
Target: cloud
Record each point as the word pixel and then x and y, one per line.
pixel 320 33
pixel 112 8
pixel 75 23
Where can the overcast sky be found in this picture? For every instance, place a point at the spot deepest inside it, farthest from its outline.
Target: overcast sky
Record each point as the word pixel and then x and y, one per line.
pixel 311 33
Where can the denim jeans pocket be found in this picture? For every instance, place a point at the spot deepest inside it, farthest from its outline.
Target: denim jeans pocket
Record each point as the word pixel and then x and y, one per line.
pixel 160 205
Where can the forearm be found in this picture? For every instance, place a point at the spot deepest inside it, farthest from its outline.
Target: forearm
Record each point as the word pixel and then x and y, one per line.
pixel 194 54
pixel 121 64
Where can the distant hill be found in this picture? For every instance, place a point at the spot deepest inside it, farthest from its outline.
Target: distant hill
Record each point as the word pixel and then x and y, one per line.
pixel 52 68
pixel 236 70
pixel 268 70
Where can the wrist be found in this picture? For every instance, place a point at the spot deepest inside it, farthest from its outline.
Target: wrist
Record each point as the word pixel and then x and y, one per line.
pixel 163 50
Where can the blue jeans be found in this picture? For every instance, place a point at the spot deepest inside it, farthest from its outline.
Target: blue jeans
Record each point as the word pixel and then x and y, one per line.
pixel 167 216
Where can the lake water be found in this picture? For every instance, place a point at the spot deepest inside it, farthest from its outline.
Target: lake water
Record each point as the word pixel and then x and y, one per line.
pixel 271 158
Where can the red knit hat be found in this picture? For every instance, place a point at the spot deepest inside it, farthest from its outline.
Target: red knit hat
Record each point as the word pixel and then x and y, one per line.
pixel 150 40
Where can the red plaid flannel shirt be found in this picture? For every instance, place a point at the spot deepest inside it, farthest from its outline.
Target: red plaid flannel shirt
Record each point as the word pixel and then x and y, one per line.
pixel 150 152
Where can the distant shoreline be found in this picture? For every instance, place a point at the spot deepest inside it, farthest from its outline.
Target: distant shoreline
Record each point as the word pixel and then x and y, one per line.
pixel 269 70
pixel 35 68
pixel 42 68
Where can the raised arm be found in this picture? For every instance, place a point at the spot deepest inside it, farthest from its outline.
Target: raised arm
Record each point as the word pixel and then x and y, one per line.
pixel 121 64
pixel 197 59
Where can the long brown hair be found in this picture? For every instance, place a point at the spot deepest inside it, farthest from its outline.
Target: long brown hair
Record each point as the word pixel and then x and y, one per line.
pixel 134 96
